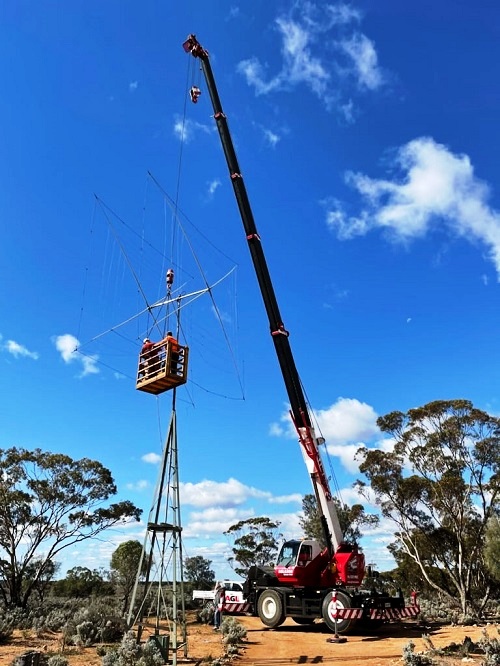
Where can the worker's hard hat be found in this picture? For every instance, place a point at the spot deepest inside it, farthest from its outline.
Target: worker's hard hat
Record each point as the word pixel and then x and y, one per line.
pixel 146 340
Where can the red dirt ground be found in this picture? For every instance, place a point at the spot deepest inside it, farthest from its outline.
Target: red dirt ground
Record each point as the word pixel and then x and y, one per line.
pixel 289 644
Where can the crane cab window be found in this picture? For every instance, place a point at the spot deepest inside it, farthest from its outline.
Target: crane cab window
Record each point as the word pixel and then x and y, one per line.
pixel 288 554
pixel 161 367
pixel 305 555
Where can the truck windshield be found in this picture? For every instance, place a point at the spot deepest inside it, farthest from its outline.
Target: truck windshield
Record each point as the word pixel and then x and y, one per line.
pixel 288 554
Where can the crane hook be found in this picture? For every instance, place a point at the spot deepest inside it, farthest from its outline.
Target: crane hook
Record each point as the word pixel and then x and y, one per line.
pixel 195 92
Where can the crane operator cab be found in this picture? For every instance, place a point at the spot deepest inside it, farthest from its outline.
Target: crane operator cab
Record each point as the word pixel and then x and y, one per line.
pixel 162 365
pixel 295 561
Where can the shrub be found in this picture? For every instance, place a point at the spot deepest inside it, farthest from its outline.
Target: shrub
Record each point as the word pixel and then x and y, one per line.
pixel 491 647
pixel 97 622
pixel 206 614
pixel 412 658
pixel 58 660
pixel 6 630
pixel 130 653
pixel 233 632
pixel 86 634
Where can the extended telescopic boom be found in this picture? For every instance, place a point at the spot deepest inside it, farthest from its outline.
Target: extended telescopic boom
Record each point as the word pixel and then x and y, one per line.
pixel 299 410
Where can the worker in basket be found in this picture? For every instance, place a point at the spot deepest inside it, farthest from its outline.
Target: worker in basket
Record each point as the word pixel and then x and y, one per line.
pixel 149 361
pixel 174 351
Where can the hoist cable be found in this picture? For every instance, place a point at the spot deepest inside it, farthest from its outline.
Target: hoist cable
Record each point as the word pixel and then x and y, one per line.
pixel 85 279
pixel 214 304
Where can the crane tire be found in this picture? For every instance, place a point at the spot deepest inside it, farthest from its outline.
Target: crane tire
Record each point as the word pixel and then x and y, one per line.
pixel 270 608
pixel 341 626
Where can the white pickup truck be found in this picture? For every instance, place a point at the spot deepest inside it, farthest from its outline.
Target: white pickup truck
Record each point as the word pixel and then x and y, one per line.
pixel 234 592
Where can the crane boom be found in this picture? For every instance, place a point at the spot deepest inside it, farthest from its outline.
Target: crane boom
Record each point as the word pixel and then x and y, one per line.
pixel 308 580
pixel 280 336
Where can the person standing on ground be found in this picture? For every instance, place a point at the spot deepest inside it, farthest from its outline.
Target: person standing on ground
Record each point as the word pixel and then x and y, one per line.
pixel 219 601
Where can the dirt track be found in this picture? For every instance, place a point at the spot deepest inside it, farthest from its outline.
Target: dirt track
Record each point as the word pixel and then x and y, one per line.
pixel 292 644
pixel 289 644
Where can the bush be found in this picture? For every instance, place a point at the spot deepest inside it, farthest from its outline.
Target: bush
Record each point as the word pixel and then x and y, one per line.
pixel 7 624
pixel 412 658
pixel 97 622
pixel 491 647
pixel 130 653
pixel 87 633
pixel 58 660
pixel 233 632
pixel 206 614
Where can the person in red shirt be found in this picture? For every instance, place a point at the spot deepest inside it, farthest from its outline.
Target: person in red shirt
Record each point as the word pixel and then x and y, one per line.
pixel 148 358
pixel 174 351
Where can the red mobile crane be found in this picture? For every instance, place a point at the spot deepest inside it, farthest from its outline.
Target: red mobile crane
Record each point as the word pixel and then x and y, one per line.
pixel 308 581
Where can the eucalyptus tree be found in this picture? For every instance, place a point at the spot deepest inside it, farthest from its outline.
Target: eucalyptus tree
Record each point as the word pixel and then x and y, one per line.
pixel 352 520
pixel 255 541
pixel 440 486
pixel 49 502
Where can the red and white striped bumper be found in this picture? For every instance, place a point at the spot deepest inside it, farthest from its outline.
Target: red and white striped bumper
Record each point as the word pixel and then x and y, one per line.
pixel 376 613
pixel 237 608
pixel 394 613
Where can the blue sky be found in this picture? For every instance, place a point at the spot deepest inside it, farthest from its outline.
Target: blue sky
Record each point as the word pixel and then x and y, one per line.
pixel 367 136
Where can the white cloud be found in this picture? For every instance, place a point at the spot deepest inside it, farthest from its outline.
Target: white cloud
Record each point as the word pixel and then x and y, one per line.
pixel 286 499
pixel 361 51
pixel 151 458
pixel 346 421
pixel 312 35
pixel 223 496
pixel 185 129
pixel 271 137
pixel 299 65
pixel 214 521
pixel 435 187
pixel 17 350
pixel 212 186
pixel 347 426
pixel 132 86
pixel 140 485
pixel 67 345
pixel 221 315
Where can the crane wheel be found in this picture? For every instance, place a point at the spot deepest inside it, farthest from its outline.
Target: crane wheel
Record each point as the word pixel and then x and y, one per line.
pixel 270 609
pixel 341 626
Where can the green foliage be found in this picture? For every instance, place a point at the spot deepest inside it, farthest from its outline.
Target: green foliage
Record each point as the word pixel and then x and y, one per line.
pixel 351 519
pixel 491 647
pixel 97 621
pixel 57 660
pixel 233 632
pixel 197 571
pixel 492 547
pixel 49 501
pixel 439 486
pixel 130 653
pixel 81 582
pixel 87 633
pixel 7 625
pixel 125 563
pixel 205 615
pixel 412 658
pixel 255 542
